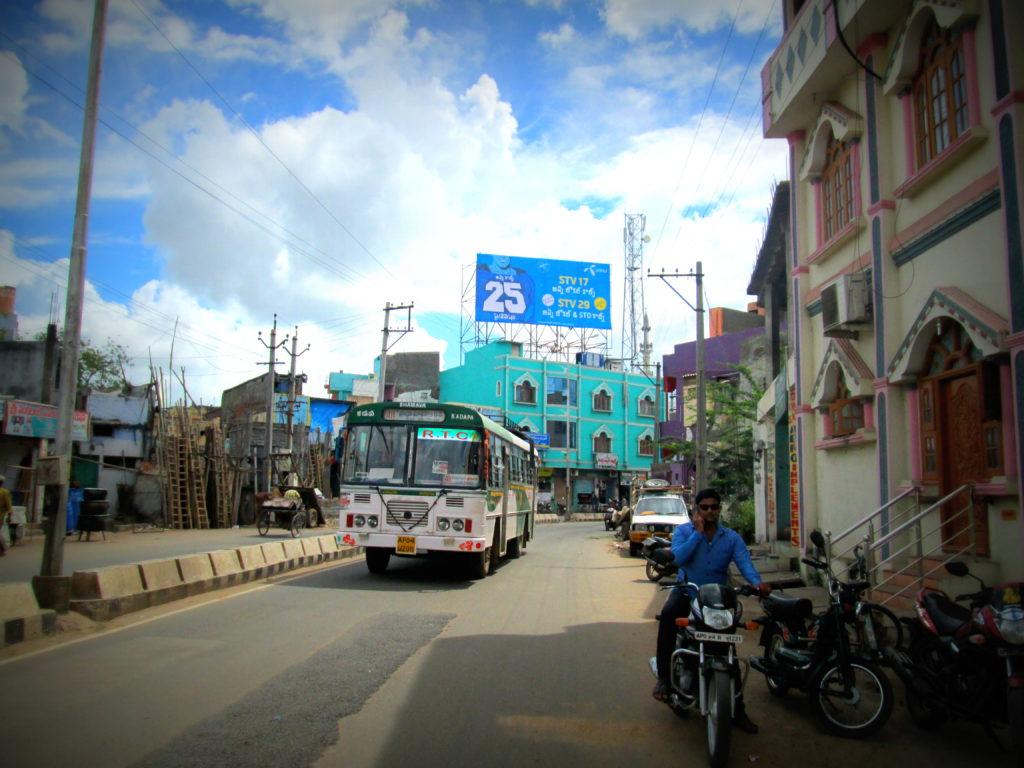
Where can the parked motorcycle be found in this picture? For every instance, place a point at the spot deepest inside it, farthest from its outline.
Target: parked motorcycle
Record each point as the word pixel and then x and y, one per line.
pixel 966 662
pixel 655 569
pixel 705 674
pixel 849 693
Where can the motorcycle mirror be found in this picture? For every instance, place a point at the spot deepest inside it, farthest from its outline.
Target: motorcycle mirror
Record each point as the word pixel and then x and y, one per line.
pixel 817 539
pixel 957 568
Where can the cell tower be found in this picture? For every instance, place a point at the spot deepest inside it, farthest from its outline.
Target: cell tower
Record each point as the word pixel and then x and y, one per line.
pixel 634 314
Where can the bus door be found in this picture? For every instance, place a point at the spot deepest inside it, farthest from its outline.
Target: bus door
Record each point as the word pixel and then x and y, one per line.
pixel 503 521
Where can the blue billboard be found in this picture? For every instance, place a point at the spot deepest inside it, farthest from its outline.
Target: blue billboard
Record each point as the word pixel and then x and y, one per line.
pixel 515 289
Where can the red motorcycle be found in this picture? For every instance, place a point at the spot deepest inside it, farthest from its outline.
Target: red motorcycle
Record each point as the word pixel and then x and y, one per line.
pixel 966 662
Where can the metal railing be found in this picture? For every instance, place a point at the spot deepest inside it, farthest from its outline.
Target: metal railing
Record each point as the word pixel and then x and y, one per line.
pixel 898 543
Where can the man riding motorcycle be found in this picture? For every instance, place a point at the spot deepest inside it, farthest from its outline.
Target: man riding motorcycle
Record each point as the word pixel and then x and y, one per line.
pixel 703 550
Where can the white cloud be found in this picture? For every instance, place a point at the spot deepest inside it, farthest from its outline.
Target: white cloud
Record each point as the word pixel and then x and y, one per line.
pixel 634 18
pixel 565 35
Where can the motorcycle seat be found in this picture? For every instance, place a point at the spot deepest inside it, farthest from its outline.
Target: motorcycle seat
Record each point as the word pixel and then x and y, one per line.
pixel 789 607
pixel 946 615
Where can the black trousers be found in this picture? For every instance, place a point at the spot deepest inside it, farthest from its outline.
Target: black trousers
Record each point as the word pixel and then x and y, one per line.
pixel 677 606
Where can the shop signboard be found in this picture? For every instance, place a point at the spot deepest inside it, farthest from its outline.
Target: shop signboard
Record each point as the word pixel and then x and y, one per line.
pixel 25 419
pixel 606 460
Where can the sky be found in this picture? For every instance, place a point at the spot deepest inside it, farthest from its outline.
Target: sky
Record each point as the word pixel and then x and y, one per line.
pixel 315 160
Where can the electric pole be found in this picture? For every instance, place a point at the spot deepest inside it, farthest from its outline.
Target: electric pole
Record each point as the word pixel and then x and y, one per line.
pixel 291 391
pixel 271 375
pixel 384 345
pixel 700 436
pixel 53 549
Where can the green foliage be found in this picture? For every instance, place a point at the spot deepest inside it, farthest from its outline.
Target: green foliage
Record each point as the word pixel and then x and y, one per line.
pixel 741 519
pixel 100 368
pixel 731 415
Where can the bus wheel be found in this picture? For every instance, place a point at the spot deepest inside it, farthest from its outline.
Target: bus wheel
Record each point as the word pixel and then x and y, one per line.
pixel 515 548
pixel 478 565
pixel 377 559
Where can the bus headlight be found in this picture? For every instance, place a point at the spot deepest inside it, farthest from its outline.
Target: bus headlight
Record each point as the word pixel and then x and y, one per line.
pixel 443 524
pixel 458 525
pixel 360 521
pixel 372 521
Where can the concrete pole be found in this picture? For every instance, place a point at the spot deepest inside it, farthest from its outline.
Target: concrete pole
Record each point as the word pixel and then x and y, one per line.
pixel 384 353
pixel 291 391
pixel 53 548
pixel 269 438
pixel 701 436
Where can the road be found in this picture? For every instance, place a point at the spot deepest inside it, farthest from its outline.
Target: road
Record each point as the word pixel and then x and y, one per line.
pixel 543 663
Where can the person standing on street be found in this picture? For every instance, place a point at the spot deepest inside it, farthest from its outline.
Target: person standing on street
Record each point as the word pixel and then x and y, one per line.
pixel 5 512
pixel 703 550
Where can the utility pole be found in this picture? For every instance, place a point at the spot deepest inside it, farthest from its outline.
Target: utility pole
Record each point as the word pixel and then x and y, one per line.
pixel 700 438
pixel 384 345
pixel 271 375
pixel 53 549
pixel 291 390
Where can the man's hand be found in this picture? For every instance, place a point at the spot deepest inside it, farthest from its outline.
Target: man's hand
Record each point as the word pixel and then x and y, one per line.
pixel 698 523
pixel 763 588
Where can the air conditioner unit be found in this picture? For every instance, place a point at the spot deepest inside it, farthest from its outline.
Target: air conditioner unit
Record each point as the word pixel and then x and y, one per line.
pixel 844 302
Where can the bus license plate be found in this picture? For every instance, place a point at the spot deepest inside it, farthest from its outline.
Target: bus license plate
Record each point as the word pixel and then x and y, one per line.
pixel 714 637
pixel 406 545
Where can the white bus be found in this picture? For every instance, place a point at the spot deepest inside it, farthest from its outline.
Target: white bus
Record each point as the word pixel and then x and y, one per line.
pixel 422 479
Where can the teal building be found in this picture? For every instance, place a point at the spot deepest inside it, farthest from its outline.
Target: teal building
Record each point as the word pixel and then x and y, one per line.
pixel 595 427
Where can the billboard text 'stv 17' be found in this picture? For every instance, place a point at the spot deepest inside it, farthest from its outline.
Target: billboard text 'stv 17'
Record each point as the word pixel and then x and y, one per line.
pixel 514 289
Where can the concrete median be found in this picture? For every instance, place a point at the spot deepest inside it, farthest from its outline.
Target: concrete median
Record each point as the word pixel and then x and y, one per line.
pixel 105 593
pixel 21 616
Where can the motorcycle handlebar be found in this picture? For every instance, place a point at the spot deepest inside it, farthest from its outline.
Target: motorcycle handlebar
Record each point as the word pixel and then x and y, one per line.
pixel 813 563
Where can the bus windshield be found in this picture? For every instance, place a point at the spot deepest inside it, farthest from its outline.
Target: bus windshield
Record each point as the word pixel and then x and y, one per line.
pixel 447 458
pixel 375 455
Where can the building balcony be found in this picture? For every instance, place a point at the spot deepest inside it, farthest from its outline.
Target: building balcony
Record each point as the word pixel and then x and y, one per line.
pixel 811 61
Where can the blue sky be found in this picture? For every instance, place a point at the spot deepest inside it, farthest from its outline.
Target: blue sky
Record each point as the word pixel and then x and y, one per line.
pixel 319 158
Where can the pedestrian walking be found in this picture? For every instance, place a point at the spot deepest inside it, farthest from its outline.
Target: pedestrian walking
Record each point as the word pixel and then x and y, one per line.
pixel 5 512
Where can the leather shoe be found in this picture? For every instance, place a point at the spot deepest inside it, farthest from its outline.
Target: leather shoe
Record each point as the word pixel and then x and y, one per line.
pixel 742 721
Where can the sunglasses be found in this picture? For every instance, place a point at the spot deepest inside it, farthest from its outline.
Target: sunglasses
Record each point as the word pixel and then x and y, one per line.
pixel 709 507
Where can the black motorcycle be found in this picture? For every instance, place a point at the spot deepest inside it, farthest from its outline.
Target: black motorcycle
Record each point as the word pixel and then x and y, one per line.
pixel 967 662
pixel 705 674
pixel 661 567
pixel 849 693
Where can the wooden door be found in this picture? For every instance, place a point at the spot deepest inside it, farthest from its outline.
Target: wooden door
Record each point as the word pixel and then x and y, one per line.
pixel 960 400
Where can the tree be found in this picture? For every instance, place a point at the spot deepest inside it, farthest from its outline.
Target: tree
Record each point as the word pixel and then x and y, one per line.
pixel 100 368
pixel 731 415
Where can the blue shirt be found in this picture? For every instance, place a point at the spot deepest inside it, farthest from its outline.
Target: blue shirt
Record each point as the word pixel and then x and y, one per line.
pixel 707 562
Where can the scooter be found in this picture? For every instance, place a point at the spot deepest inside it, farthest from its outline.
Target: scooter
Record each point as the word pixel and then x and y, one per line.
pixel 656 569
pixel 849 692
pixel 967 662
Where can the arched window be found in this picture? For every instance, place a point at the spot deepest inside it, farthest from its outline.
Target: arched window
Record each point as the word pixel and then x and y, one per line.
pixel 646 446
pixel 837 187
pixel 526 392
pixel 602 401
pixel 940 92
pixel 602 442
pixel 845 413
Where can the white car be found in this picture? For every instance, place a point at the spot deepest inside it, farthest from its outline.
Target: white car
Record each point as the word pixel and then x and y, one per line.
pixel 656 515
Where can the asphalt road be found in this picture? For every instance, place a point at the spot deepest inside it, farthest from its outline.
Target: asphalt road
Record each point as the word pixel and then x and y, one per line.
pixel 543 663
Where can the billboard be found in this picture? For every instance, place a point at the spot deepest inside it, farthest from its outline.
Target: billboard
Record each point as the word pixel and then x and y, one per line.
pixel 515 289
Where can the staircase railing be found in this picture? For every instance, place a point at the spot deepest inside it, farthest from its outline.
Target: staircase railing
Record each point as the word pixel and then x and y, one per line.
pixel 881 547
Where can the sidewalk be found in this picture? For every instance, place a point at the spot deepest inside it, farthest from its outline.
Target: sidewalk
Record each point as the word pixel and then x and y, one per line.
pixel 135 568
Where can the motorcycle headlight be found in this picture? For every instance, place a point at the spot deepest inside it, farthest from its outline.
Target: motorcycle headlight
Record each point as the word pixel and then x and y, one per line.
pixel 1010 622
pixel 718 618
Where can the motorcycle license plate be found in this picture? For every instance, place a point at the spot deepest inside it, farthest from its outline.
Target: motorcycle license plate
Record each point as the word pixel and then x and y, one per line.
pixel 406 545
pixel 714 637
